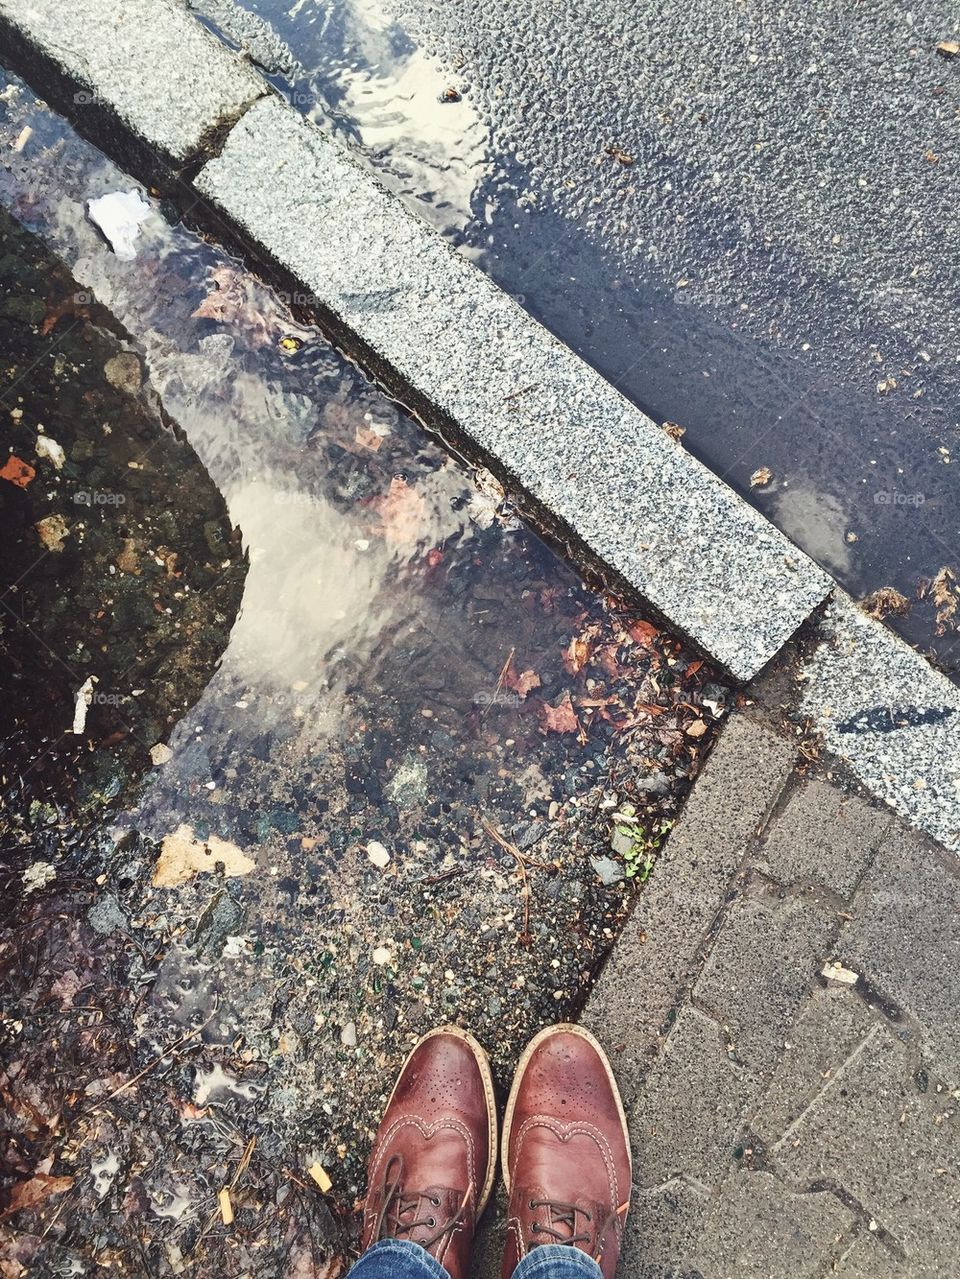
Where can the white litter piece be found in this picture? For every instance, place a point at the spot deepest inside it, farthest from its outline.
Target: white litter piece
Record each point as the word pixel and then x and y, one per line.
pixel 84 698
pixel 378 853
pixel 836 972
pixel 120 215
pixel 50 449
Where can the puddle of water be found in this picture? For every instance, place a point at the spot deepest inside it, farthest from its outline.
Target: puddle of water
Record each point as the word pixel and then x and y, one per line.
pixel 415 697
pixel 651 270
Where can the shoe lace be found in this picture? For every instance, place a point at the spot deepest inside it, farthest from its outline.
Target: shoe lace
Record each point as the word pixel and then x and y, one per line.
pixel 400 1209
pixel 565 1215
pixel 561 1214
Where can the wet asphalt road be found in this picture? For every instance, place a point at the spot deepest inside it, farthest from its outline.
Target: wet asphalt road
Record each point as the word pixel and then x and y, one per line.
pixel 745 217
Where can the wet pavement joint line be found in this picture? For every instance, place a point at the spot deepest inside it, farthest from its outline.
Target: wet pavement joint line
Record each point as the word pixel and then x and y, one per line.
pixel 835 1076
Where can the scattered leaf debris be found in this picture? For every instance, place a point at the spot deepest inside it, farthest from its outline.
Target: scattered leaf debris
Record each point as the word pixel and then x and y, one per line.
pixel 943 591
pixel 885 602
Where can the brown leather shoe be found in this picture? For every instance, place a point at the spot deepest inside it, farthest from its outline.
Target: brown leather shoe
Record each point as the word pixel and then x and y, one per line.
pixel 566 1150
pixel 433 1160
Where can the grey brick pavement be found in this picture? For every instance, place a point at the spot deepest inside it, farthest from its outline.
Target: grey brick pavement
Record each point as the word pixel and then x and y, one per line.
pixel 786 1122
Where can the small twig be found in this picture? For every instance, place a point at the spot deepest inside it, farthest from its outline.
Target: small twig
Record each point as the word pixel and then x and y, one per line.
pixel 524 938
pixel 438 879
pixel 503 670
pixel 244 1162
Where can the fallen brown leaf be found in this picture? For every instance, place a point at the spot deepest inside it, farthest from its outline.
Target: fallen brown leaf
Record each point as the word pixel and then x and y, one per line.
pixel 402 511
pixel 27 1194
pixel 367 439
pixel 884 602
pixel 949 48
pixel 643 633
pixel 606 658
pixel 52 532
pixel 519 682
pixel 761 477
pixel 576 655
pixel 182 856
pixel 946 598
pixel 561 718
pixel 618 154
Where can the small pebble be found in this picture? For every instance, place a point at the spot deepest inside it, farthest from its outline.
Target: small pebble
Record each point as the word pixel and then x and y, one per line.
pixel 378 854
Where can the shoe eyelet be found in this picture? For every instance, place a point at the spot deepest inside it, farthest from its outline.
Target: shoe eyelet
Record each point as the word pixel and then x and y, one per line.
pixel 431 1222
pixel 532 1205
pixel 435 1202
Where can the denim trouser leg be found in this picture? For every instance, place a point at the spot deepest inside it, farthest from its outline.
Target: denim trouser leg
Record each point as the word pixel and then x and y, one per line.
pixel 557 1261
pixel 399 1259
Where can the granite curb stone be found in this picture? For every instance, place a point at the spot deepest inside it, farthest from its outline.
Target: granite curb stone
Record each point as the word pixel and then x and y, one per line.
pixel 894 719
pixel 659 519
pixel 167 78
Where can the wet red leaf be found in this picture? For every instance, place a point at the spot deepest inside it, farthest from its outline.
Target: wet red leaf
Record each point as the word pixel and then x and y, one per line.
pixel 17 471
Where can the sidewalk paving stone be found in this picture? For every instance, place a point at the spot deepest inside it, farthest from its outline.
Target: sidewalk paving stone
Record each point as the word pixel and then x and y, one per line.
pixel 690 1116
pixel 828 1029
pixel 867 1258
pixel 657 955
pixel 759 1229
pixel 894 1148
pixel 824 837
pixel 663 1225
pixel 766 955
pixel 904 936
